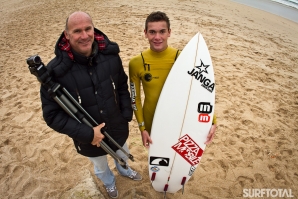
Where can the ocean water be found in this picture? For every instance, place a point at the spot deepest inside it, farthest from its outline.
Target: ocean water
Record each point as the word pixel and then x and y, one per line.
pixel 291 3
pixel 284 8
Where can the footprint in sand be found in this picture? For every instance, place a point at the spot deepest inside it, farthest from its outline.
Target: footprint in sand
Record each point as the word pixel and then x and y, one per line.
pixel 48 158
pixel 257 111
pixel 259 178
pixel 255 152
pixel 241 149
pixel 244 181
pixel 241 132
pixel 30 185
pixel 286 152
pixel 248 123
pixel 16 153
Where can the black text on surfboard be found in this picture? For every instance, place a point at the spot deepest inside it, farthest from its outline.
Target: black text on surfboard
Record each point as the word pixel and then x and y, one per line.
pixel 198 74
pixel 204 108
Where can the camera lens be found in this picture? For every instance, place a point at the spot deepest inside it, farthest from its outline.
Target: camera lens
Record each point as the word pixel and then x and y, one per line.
pixel 33 61
pixel 36 59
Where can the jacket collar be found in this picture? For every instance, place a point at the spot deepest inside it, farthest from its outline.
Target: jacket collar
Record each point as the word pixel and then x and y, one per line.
pixel 81 59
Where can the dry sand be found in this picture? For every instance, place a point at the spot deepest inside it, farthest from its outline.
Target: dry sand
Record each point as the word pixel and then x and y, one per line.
pixel 255 58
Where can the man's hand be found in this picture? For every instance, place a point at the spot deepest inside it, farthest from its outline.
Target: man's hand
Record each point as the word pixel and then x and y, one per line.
pixel 211 134
pixel 146 139
pixel 98 136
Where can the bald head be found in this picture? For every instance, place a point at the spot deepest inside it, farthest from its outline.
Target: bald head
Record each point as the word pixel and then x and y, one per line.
pixel 79 31
pixel 75 16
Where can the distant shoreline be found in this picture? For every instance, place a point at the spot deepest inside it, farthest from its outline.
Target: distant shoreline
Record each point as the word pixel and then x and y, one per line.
pixel 273 7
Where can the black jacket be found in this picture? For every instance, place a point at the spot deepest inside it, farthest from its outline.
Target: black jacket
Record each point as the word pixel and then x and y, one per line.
pixel 101 84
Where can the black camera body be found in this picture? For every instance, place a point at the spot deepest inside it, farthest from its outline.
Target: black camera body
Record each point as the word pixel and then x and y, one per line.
pixel 38 69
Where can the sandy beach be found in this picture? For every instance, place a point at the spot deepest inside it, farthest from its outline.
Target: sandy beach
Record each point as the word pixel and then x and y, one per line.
pixel 255 57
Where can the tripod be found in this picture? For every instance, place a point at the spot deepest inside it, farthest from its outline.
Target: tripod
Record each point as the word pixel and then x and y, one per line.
pixel 70 105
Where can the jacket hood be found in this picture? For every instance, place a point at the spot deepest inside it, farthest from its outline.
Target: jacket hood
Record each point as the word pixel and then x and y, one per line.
pixel 105 45
pixel 64 55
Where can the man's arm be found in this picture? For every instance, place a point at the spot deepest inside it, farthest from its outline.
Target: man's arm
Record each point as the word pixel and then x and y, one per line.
pixel 123 92
pixel 57 119
pixel 211 133
pixel 136 101
pixel 135 90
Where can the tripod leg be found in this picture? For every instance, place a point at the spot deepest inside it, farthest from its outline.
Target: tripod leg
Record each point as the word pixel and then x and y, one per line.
pixel 119 147
pixel 65 108
pixel 113 154
pixel 104 146
pixel 90 118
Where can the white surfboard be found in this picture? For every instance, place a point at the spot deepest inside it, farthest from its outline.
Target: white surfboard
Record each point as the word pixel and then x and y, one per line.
pixel 183 118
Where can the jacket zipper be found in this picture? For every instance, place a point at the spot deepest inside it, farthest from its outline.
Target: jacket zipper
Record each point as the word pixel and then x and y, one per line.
pixel 79 97
pixel 79 146
pixel 114 89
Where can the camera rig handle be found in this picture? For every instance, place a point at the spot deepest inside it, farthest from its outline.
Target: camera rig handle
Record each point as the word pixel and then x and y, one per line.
pixel 70 105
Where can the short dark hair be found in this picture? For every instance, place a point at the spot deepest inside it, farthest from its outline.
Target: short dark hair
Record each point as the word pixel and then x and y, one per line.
pixel 157 16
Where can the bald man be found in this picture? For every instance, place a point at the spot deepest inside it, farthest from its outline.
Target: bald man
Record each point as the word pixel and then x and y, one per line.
pixel 88 65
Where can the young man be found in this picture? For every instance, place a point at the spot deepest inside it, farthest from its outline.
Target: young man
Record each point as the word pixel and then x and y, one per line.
pixel 88 65
pixel 151 68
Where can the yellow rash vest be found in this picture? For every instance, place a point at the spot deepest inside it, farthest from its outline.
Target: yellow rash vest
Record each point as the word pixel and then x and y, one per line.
pixel 151 70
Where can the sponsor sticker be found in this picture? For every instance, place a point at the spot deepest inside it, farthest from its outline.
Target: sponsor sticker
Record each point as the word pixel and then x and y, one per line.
pixel 159 161
pixel 191 170
pixel 189 150
pixel 154 169
pixel 205 118
pixel 204 108
pixel 198 72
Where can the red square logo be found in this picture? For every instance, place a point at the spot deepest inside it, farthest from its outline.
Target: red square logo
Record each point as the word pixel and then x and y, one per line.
pixel 189 150
pixel 204 117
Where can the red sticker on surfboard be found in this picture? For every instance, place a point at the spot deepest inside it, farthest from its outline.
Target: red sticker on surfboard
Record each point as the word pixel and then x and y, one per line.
pixel 189 150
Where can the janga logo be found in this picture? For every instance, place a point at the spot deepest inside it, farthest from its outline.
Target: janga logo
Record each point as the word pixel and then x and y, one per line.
pixel 197 72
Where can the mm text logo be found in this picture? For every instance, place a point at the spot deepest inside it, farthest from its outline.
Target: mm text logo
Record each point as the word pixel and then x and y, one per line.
pixel 204 108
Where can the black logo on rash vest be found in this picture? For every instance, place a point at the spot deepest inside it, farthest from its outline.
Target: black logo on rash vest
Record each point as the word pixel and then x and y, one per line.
pixel 148 77
pixel 197 72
